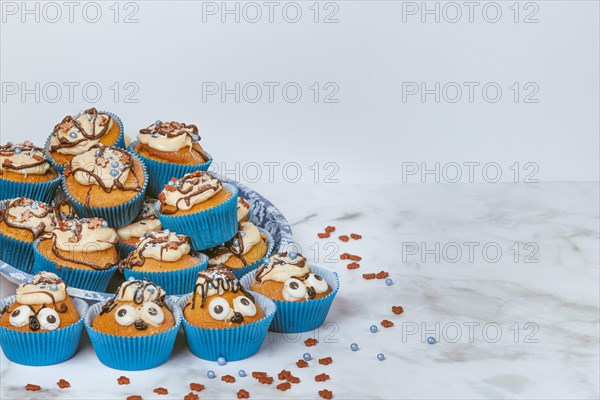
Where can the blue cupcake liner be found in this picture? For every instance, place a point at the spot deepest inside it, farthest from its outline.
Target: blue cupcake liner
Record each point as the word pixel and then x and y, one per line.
pixel 296 317
pixel 17 253
pixel 235 343
pixel 41 191
pixel 117 215
pixel 119 143
pixel 161 172
pixel 42 347
pixel 207 228
pixel 173 282
pixel 87 279
pixel 133 353
pixel 124 249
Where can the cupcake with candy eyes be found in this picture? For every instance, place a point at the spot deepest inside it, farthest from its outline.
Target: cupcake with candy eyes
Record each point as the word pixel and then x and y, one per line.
pixel 76 134
pixel 243 252
pixel 222 319
pixel 165 258
pixel 243 210
pixel 25 171
pixel 81 251
pixel 106 182
pixel 303 293
pixel 200 206
pixel 41 325
pixel 22 221
pixel 146 222
pixel 169 149
pixel 136 329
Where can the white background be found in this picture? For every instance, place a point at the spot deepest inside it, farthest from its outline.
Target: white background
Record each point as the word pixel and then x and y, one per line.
pixel 372 49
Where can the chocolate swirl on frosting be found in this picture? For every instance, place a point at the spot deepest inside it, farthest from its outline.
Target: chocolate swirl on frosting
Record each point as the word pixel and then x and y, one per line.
pixel 292 264
pixel 217 279
pixel 161 242
pixel 176 135
pixel 23 158
pixel 238 246
pixel 194 187
pixel 81 131
pixel 43 284
pixel 140 291
pixel 24 213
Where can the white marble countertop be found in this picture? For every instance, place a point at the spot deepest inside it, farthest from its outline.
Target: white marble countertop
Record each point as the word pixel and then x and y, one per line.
pixel 547 312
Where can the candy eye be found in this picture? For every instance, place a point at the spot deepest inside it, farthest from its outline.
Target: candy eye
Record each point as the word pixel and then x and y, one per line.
pixel 245 306
pixel 317 282
pixel 20 316
pixel 125 315
pixel 219 308
pixel 294 289
pixel 152 314
pixel 48 319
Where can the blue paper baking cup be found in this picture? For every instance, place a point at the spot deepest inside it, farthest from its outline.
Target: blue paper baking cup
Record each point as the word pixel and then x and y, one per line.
pixel 239 272
pixel 42 347
pixel 301 316
pixel 132 353
pixel 173 282
pixel 235 343
pixel 117 215
pixel 124 249
pixel 41 191
pixel 17 253
pixel 87 279
pixel 120 143
pixel 207 228
pixel 161 172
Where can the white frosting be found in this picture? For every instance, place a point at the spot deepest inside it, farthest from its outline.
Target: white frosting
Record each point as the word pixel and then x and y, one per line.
pixel 128 290
pixel 242 209
pixel 23 154
pixel 221 282
pixel 168 249
pixel 146 222
pixel 289 268
pixel 190 183
pixel 110 165
pixel 30 214
pixel 167 136
pixel 249 235
pixel 94 235
pixel 86 124
pixel 43 286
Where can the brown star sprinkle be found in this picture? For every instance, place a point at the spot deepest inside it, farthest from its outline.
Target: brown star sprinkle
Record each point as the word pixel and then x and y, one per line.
pixel 369 276
pixel 267 380
pixel 284 386
pixel 326 394
pixel 382 275
pixel 243 394
pixel 301 363
pixel 326 360
pixel 293 379
pixel 353 265
pixel 258 374
pixel 63 384
pixel 321 377
pixel 397 309
pixel 161 391
pixel 191 396
pixel 323 235
pixel 284 374
pixel 123 380
pixel 134 397
pixel 197 387
pixel 310 342
pixel 344 238
pixel 32 388
pixel 330 229
pixel 386 323
pixel 228 379
pixel 355 236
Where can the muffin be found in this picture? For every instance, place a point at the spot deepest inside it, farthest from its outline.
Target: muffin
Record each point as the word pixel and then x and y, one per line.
pixel 165 258
pixel 22 221
pixel 75 135
pixel 222 319
pixel 243 252
pixel 145 222
pixel 243 210
pixel 41 325
pixel 200 206
pixel 169 149
pixel 136 329
pixel 106 182
pixel 25 171
pixel 81 251
pixel 303 294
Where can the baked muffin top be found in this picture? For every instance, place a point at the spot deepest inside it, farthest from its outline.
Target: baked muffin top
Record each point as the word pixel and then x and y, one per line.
pixel 158 248
pixel 23 158
pixel 76 134
pixel 146 222
pixel 172 141
pixel 183 194
pixel 26 214
pixel 240 246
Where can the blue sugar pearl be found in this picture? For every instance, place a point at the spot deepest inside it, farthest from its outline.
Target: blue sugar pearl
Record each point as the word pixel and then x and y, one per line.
pixel 114 172
pixel 306 357
pixel 34 206
pixel 29 280
pixel 389 282
pixel 195 138
pixel 73 135
pixel 242 373
pixel 236 243
pixel 431 340
pixel 211 374
pixel 353 347
pixel 373 328
pixel 18 150
pixel 53 287
pixel 221 361
pixel 90 117
pixel 266 260
pixel 114 164
pixel 380 357
pixel 154 136
pixel 242 234
pixel 131 278
pixel 121 167
pixel 97 153
pixel 104 224
pixel 292 255
pixel 157 122
pixel 73 228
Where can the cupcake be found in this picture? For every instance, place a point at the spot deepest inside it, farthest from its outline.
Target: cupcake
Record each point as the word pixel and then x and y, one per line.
pixel 243 252
pixel 169 149
pixel 106 182
pixel 145 222
pixel 303 294
pixel 62 205
pixel 41 325
pixel 222 319
pixel 200 206
pixel 75 135
pixel 243 210
pixel 81 251
pixel 136 329
pixel 165 258
pixel 25 171
pixel 22 221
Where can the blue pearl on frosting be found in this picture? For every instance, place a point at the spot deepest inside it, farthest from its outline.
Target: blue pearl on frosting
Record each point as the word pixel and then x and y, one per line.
pixel 211 374
pixel 236 243
pixel 73 228
pixel 104 224
pixel 195 138
pixel 354 347
pixel 90 117
pixel 97 153
pixel 18 150
pixel 380 357
pixel 73 135
pixel 53 287
pixel 266 260
pixel 242 234
pixel 221 361
pixel 157 122
pixel 121 167
pixel 373 328
pixel 242 373
pixel 292 255
pixel 114 172
pixel 389 282
pixel 307 357
pixel 34 206
pixel 114 164
pixel 431 340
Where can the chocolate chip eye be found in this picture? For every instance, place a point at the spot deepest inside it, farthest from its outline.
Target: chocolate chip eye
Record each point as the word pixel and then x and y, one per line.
pixel 317 277
pixel 125 315
pixel 48 319
pixel 294 289
pixel 245 301
pixel 20 316
pixel 152 314
pixel 16 313
pixel 294 285
pixel 122 312
pixel 152 311
pixel 51 319
pixel 219 308
pixel 244 306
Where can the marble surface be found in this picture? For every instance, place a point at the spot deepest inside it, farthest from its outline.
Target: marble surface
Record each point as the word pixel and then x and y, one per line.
pixel 507 328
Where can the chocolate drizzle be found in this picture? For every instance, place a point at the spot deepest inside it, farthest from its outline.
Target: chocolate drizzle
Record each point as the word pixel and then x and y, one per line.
pixel 161 238
pixel 195 188
pixel 174 129
pixel 41 211
pixel 69 122
pixel 277 260
pixel 217 278
pixel 138 296
pixel 228 247
pixel 27 148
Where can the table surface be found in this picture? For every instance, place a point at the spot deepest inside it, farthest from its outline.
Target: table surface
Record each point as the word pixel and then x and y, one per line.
pixel 504 276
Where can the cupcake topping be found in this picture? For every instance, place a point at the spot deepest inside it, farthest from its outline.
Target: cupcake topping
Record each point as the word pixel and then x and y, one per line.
pixel 215 281
pixel 23 158
pixel 162 246
pixel 191 189
pixel 24 213
pixel 244 240
pixel 170 136
pixel 243 208
pixel 107 167
pixel 146 222
pixel 77 134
